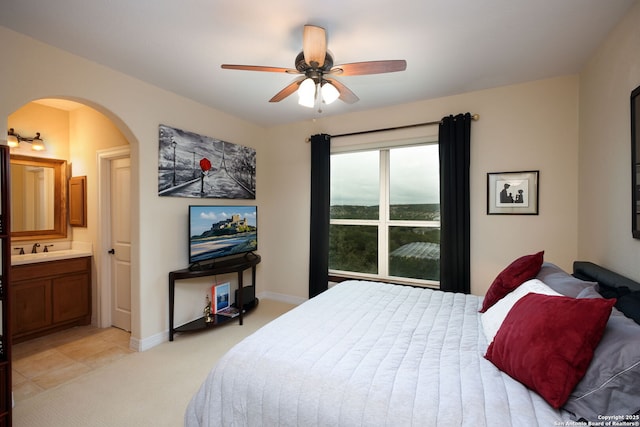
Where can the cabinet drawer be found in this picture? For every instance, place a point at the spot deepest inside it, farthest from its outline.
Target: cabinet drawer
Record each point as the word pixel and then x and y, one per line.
pixel 49 268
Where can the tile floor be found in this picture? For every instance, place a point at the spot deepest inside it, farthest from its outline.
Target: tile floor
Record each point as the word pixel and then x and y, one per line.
pixel 49 361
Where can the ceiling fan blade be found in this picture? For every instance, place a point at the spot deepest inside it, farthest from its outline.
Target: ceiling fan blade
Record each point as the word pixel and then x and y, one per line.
pixel 369 67
pixel 345 93
pixel 259 68
pixel 288 90
pixel 314 45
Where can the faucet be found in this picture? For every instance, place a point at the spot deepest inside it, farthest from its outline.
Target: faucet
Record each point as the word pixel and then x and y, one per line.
pixel 34 248
pixel 21 251
pixel 46 248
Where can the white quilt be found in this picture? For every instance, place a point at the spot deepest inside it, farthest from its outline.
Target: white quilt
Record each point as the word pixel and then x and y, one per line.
pixel 368 354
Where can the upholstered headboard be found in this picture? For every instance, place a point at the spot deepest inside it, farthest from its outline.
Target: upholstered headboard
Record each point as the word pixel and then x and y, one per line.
pixel 612 285
pixel 614 372
pixel 591 272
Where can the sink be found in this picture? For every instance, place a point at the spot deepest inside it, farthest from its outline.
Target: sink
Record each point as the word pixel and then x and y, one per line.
pixel 48 256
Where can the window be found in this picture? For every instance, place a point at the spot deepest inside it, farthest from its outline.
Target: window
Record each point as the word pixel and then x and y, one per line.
pixel 385 214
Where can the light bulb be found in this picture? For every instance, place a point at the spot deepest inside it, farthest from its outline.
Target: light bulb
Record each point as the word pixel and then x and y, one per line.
pixel 12 141
pixel 37 144
pixel 307 93
pixel 329 93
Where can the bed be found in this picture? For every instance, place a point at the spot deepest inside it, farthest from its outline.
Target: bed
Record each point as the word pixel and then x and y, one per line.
pixel 368 354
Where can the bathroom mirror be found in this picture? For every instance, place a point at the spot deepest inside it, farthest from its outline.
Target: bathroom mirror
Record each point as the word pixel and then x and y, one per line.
pixel 38 198
pixel 635 162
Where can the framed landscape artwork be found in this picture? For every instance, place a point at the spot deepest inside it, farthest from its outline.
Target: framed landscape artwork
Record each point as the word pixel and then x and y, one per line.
pixel 512 193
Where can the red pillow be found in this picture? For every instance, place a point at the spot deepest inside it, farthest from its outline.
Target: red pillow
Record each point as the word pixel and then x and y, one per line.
pixel 519 271
pixel 547 342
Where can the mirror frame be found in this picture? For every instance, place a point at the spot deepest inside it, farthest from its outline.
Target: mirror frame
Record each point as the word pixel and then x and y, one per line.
pixel 60 196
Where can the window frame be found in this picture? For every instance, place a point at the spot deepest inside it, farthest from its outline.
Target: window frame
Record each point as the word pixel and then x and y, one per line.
pixel 383 222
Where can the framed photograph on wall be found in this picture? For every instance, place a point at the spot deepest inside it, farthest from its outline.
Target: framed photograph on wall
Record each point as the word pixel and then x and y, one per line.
pixel 512 193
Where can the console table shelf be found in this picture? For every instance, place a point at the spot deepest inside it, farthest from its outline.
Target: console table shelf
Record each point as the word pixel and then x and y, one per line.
pixel 199 324
pixel 234 265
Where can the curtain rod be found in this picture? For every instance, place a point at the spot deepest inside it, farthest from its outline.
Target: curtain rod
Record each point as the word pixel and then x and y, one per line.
pixel 473 117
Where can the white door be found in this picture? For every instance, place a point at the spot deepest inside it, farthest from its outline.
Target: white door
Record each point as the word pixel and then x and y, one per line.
pixel 120 244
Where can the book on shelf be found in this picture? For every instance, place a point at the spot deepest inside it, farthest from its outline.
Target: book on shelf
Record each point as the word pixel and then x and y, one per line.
pixel 229 312
pixel 221 295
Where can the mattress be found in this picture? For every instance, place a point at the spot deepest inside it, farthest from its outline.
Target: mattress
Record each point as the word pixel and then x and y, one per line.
pixel 368 354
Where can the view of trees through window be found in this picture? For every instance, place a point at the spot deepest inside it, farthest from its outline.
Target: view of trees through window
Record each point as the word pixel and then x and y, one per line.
pixel 385 213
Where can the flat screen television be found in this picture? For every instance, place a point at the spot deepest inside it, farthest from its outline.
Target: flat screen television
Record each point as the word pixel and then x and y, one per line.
pixel 221 231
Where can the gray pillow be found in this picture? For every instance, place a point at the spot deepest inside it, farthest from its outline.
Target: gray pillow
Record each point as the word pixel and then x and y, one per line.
pixel 561 281
pixel 589 292
pixel 611 385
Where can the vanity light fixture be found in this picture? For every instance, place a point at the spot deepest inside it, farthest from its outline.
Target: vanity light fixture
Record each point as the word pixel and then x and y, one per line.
pixel 14 139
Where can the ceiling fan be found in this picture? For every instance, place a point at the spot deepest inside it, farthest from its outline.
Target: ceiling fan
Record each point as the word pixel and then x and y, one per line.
pixel 315 64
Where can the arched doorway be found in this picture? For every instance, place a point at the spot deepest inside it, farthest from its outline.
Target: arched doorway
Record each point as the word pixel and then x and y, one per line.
pixel 76 130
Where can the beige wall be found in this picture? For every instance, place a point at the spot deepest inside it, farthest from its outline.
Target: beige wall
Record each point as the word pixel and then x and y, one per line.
pixel 89 132
pixel 532 126
pixel 53 125
pixel 605 150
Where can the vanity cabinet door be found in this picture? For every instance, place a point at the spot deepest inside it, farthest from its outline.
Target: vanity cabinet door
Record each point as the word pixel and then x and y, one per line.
pixel 31 302
pixel 50 296
pixel 71 297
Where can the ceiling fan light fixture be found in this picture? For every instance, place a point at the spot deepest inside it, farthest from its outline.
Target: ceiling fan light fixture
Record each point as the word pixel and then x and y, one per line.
pixel 307 93
pixel 313 63
pixel 329 93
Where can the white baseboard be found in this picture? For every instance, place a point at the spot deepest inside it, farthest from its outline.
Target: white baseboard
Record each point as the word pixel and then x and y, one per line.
pixel 282 298
pixel 154 340
pixel 148 343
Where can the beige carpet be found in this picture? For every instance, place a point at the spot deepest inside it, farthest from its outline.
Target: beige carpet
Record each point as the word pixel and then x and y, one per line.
pixel 150 388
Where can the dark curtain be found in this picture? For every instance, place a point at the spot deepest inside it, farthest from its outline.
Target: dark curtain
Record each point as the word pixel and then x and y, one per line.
pixel 319 235
pixel 454 145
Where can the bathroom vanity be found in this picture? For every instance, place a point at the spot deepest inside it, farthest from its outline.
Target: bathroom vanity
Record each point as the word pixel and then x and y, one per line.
pixel 50 288
pixel 49 292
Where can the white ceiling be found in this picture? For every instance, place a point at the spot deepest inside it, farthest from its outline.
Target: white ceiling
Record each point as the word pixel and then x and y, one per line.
pixel 451 46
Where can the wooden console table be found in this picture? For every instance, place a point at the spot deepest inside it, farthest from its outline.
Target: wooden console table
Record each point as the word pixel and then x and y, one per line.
pixel 233 265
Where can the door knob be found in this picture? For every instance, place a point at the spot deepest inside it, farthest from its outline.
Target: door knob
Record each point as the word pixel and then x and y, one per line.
pixel 112 251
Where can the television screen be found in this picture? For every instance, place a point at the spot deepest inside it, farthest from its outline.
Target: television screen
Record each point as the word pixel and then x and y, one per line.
pixel 220 231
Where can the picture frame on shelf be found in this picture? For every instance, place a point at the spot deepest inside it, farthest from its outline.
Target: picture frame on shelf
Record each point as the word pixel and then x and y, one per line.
pixel 222 300
pixel 221 296
pixel 513 193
